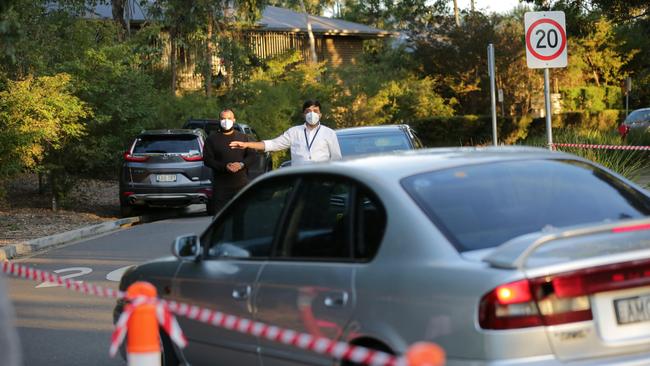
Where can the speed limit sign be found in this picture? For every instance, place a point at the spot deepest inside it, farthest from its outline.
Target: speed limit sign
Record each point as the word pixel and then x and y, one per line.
pixel 546 42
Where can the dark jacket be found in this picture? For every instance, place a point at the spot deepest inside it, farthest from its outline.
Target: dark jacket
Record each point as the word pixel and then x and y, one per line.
pixel 217 154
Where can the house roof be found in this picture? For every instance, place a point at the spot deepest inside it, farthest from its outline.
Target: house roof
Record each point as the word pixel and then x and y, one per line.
pixel 285 20
pixel 273 19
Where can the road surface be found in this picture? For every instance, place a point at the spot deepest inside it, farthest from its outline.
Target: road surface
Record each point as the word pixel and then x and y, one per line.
pixel 60 327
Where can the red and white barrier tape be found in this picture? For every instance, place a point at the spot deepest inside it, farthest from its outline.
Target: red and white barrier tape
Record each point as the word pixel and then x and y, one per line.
pixel 38 275
pixel 321 345
pixel 166 320
pixel 605 147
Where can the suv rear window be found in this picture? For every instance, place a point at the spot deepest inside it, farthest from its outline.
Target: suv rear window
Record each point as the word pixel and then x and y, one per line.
pixel 483 206
pixel 372 143
pixel 166 144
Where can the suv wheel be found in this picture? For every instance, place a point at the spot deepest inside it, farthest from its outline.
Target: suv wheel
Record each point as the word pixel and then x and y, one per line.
pixel 210 207
pixel 126 210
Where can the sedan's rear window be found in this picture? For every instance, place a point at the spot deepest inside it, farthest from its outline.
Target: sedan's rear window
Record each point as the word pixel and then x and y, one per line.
pixel 483 206
pixel 166 144
pixel 638 116
pixel 372 143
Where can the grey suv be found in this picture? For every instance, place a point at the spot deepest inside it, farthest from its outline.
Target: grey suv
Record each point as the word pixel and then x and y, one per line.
pixel 165 168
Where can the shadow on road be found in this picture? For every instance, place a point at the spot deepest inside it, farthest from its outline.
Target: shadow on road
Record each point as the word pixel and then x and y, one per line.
pixel 151 214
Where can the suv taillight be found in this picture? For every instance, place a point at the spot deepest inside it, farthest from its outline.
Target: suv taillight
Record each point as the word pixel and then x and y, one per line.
pixel 187 157
pixel 129 157
pixel 557 299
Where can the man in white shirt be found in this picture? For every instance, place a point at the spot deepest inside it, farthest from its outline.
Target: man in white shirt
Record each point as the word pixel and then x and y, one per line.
pixel 309 142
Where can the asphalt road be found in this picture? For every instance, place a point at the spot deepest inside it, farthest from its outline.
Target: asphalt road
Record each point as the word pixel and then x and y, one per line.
pixel 60 327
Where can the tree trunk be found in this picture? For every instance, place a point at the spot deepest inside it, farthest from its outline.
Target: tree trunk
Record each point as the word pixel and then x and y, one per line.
pixel 172 60
pixel 41 184
pixel 208 61
pixel 312 41
pixel 456 13
pixel 53 187
pixel 117 8
pixel 472 6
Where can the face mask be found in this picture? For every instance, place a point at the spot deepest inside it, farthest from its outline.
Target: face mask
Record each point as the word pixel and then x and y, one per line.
pixel 227 124
pixel 312 118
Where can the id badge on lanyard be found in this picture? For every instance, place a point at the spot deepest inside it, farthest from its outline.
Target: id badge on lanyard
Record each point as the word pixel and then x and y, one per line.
pixel 309 144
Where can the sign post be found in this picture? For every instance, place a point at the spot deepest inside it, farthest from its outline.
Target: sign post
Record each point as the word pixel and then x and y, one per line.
pixel 492 93
pixel 546 47
pixel 628 89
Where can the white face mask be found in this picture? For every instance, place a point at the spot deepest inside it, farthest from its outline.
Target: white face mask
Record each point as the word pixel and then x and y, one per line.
pixel 227 124
pixel 312 118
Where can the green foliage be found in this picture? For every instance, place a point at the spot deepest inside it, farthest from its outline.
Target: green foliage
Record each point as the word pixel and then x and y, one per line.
pixel 599 49
pixel 39 117
pixel 591 98
pixel 626 163
pixel 124 100
pixel 53 38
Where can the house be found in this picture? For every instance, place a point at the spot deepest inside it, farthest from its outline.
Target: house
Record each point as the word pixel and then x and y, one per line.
pixel 337 41
pixel 279 30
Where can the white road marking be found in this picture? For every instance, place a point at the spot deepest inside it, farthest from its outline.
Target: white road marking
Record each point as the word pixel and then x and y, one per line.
pixel 116 275
pixel 79 271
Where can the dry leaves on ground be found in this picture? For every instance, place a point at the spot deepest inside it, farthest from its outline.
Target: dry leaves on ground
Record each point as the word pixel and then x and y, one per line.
pixel 26 214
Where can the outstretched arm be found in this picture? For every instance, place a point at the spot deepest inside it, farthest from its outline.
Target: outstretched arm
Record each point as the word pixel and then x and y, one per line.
pixel 256 145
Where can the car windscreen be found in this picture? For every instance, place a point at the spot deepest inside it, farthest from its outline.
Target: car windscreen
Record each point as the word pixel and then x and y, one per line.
pixel 166 144
pixel 638 116
pixel 483 206
pixel 369 143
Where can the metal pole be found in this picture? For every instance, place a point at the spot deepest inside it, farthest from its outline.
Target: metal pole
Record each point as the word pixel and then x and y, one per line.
pixel 627 102
pixel 547 103
pixel 492 92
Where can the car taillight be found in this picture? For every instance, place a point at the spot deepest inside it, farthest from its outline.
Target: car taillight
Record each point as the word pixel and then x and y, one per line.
pixel 192 157
pixel 623 129
pixel 557 299
pixel 509 306
pixel 130 157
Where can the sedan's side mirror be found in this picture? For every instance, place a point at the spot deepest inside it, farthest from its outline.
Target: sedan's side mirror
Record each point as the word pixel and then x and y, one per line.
pixel 187 247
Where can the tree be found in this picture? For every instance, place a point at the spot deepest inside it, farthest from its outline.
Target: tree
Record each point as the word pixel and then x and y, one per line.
pixel 599 50
pixel 190 20
pixel 40 117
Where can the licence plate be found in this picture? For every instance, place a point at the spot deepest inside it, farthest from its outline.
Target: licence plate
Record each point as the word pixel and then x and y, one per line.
pixel 166 178
pixel 632 309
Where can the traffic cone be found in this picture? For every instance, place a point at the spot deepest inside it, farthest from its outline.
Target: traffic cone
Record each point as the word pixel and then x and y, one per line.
pixel 143 338
pixel 425 354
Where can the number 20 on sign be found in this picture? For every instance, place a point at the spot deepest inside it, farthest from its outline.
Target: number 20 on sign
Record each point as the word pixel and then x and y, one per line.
pixel 546 40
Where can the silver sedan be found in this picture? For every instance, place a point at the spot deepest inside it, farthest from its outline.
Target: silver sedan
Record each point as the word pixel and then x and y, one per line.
pixel 503 256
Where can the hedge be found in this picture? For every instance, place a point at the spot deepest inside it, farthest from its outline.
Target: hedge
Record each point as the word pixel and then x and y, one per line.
pixel 477 130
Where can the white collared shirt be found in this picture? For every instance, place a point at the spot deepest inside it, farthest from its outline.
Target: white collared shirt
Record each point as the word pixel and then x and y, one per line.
pixel 307 146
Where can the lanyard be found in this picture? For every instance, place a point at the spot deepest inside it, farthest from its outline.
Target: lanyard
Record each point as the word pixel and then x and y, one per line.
pixel 309 144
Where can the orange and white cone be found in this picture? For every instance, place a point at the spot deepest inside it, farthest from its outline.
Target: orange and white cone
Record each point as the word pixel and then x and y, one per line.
pixel 425 354
pixel 143 338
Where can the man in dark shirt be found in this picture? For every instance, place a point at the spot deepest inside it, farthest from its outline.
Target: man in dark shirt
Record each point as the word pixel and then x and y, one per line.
pixel 229 166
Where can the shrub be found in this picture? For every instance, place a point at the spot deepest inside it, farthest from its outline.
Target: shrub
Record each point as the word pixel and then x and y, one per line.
pixel 625 162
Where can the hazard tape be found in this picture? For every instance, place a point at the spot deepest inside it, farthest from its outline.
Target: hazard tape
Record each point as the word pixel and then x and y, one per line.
pixel 166 320
pixel 320 345
pixel 604 147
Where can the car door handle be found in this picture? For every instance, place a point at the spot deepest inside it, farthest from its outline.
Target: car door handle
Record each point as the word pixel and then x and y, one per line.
pixel 336 300
pixel 241 293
